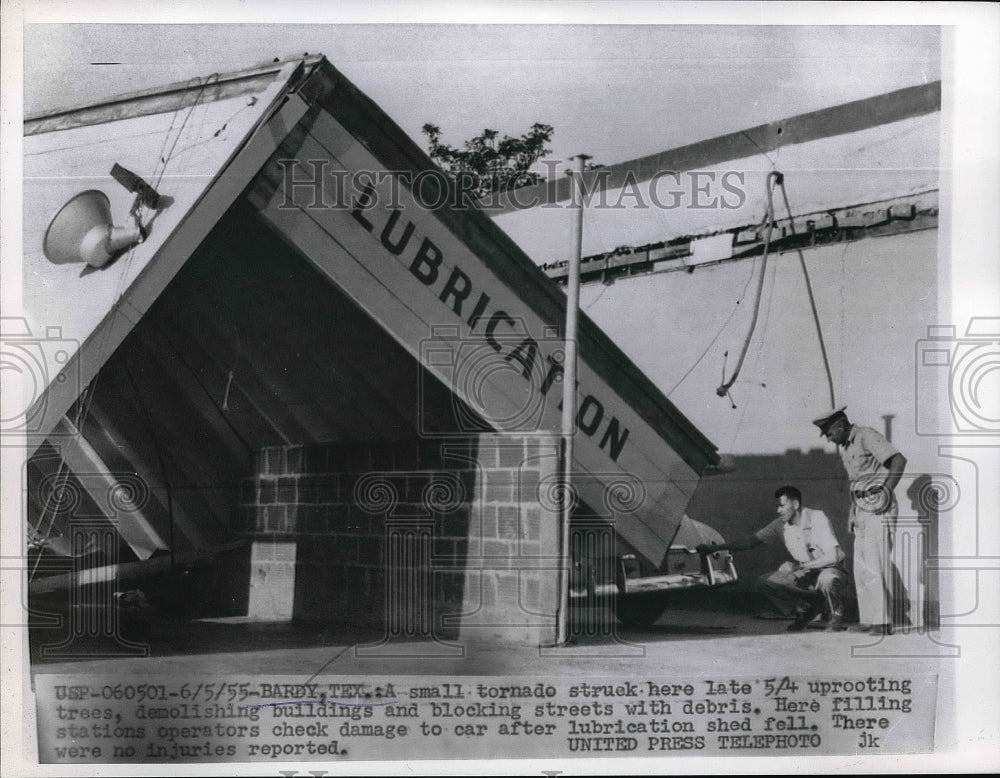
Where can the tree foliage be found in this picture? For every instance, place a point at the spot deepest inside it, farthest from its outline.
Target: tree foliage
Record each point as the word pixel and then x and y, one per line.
pixel 493 164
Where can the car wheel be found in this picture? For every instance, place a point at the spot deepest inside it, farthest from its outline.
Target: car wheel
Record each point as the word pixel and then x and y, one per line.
pixel 635 612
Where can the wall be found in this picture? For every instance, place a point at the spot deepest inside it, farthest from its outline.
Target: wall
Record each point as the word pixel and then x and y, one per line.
pixel 404 536
pixel 741 502
pixel 875 299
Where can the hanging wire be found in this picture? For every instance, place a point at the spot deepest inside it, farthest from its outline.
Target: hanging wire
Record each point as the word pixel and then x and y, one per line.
pixel 750 138
pixel 773 178
pixel 222 128
pixel 745 407
pixel 161 158
pixel 594 302
pixel 718 334
pixel 812 298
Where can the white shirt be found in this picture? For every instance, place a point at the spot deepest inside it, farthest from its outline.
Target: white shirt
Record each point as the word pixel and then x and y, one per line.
pixel 808 536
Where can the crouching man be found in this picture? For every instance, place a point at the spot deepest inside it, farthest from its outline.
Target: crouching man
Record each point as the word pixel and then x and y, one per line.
pixel 815 578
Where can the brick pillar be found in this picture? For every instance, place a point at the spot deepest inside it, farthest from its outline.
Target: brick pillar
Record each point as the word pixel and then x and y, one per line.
pixel 372 534
pixel 512 568
pixel 422 539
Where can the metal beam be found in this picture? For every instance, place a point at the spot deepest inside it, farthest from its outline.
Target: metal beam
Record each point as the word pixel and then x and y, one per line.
pixel 101 484
pixel 162 99
pixel 129 572
pixel 827 122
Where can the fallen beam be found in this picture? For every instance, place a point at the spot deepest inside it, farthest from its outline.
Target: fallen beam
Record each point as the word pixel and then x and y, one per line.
pixel 824 123
pixel 106 491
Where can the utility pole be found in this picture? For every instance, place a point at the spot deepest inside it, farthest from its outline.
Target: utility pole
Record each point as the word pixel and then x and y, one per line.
pixel 569 400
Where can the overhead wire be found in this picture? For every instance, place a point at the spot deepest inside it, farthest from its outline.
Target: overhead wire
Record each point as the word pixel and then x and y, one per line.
pixel 164 160
pixel 594 302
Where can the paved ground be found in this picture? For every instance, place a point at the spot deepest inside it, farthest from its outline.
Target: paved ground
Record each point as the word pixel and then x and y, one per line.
pixel 682 643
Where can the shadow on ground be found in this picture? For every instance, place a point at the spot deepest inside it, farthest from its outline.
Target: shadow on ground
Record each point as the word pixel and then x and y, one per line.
pixel 176 636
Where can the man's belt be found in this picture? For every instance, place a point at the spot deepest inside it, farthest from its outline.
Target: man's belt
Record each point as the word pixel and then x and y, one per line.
pixel 869 493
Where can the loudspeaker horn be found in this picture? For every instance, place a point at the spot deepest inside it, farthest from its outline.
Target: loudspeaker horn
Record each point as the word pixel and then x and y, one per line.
pixel 83 231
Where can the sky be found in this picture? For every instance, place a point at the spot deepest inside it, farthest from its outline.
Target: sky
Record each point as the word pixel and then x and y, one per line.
pixel 614 92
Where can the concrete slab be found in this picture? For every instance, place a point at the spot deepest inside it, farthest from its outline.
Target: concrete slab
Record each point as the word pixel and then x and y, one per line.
pixel 683 643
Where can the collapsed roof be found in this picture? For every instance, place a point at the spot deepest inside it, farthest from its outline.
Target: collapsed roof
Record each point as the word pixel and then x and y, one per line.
pixel 290 307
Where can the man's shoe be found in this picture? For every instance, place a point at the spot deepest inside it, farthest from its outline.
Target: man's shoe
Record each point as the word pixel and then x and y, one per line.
pixel 802 620
pixel 860 628
pixel 836 623
pixel 881 629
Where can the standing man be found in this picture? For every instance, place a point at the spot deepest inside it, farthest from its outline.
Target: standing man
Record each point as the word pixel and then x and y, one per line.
pixel 816 576
pixel 874 468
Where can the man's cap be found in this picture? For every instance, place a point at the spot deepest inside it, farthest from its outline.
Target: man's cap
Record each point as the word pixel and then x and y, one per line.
pixel 826 421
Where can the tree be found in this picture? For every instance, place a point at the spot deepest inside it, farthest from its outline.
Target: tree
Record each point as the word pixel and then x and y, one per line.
pixel 494 164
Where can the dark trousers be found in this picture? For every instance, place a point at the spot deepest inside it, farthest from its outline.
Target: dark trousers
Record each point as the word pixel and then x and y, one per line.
pixel 820 589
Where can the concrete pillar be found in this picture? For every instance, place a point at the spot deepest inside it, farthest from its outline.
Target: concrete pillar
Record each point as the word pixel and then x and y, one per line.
pixel 272 580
